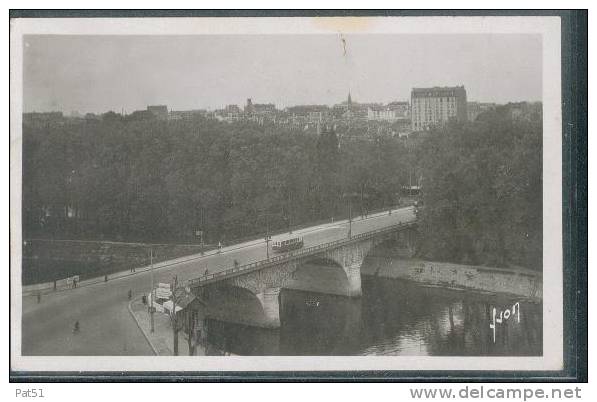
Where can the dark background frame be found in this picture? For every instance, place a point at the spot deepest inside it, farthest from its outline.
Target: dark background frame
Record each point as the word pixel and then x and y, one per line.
pixel 574 198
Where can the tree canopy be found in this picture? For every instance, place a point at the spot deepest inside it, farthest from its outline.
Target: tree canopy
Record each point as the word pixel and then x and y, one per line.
pixel 482 191
pixel 141 179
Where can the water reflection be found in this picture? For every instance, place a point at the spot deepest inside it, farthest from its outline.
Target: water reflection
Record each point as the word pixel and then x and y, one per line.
pixel 392 318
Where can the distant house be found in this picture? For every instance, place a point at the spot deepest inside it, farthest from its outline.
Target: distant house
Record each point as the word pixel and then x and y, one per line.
pixel 229 114
pixel 259 108
pixel 391 112
pixel 232 109
pixel 186 114
pixel 525 110
pixel 474 109
pixel 159 111
pixel 380 113
pixel 309 113
pixel 401 109
pixel 263 112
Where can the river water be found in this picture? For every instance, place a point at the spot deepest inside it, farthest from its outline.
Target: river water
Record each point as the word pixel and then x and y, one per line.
pixel 393 317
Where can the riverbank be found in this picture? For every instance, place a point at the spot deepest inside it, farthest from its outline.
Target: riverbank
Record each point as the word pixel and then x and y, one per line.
pixel 517 282
pixel 162 339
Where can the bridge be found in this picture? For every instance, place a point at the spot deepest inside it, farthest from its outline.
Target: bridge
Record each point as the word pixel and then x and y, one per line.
pixel 248 294
pixel 238 288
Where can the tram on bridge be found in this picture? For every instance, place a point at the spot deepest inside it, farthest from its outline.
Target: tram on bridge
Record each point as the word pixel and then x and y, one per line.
pixel 282 246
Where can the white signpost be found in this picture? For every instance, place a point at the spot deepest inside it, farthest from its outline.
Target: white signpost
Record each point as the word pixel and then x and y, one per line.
pixel 163 291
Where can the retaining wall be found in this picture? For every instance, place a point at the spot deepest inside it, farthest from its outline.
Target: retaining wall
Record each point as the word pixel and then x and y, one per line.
pixel 519 282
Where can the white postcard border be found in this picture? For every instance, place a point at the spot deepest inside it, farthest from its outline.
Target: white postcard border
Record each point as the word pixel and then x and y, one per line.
pixel 548 27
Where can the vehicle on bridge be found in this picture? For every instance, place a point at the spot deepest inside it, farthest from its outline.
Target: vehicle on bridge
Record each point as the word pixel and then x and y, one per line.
pixel 282 246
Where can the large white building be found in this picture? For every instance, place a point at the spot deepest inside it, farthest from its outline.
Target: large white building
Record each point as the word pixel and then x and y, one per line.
pixel 435 106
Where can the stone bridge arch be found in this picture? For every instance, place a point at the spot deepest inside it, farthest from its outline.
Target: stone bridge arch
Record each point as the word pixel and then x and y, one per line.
pixel 257 293
pixel 235 304
pixel 350 257
pixel 261 287
pixel 265 286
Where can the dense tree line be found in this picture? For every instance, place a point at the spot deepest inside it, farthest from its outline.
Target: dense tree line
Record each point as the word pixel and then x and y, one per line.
pixel 137 178
pixel 482 190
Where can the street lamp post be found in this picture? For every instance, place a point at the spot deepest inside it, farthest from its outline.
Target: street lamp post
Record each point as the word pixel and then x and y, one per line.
pixel 173 317
pixel 349 196
pixel 267 236
pixel 289 212
pixel 349 218
pixel 391 201
pixel 202 231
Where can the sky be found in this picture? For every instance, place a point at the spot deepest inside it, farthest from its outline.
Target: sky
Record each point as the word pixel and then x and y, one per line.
pixel 100 73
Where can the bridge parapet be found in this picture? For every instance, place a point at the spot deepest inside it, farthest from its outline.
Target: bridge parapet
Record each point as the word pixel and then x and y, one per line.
pixel 308 252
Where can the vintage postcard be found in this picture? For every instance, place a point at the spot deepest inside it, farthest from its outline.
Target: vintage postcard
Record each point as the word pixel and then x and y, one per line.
pixel 286 193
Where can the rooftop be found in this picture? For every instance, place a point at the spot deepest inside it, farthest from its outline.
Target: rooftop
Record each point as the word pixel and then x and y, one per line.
pixel 437 91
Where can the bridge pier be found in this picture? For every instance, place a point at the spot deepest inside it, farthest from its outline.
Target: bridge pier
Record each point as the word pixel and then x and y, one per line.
pixel 353 274
pixel 270 301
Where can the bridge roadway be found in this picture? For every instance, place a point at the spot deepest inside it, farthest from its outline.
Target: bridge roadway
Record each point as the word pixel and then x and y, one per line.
pixel 107 329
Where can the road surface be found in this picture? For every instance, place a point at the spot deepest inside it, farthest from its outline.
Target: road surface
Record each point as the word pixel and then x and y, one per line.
pixel 107 328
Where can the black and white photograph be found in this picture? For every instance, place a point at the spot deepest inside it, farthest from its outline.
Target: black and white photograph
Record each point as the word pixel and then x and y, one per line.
pixel 343 193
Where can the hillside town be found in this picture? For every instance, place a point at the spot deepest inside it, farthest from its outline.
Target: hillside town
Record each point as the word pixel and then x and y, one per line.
pixel 427 108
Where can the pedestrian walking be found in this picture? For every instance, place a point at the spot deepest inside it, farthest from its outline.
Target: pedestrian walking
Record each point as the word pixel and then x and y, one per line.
pixel 38 298
pixel 105 278
pixel 206 272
